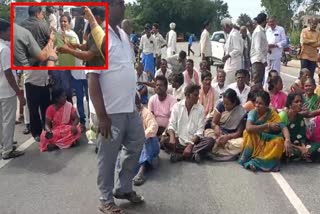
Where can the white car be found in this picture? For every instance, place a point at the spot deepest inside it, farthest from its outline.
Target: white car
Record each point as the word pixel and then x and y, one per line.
pixel 218 40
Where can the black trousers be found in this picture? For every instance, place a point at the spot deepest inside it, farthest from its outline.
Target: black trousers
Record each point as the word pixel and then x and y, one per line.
pixel 310 65
pixel 37 97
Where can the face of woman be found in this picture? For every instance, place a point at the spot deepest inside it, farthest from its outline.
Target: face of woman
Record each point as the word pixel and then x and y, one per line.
pixel 279 85
pixel 228 105
pixel 296 105
pixel 64 23
pixel 261 107
pixel 62 100
pixel 309 88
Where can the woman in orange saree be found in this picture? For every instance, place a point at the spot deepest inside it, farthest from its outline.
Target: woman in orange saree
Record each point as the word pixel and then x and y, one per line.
pixel 62 127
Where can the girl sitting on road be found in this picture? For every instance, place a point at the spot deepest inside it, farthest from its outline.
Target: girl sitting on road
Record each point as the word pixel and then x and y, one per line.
pixel 277 96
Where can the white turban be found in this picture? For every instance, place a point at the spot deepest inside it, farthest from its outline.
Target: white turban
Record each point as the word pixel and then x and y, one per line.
pixel 172 26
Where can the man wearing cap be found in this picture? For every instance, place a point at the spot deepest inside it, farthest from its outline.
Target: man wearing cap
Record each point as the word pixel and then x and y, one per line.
pixel 233 50
pixel 171 40
pixel 9 91
pixel 205 44
pixel 259 49
pixel 148 48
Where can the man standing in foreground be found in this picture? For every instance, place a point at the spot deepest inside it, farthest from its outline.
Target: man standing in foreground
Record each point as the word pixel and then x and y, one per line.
pixel 120 127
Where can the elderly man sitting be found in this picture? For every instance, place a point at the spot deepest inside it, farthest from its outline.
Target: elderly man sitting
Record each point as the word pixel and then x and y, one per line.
pixel 183 138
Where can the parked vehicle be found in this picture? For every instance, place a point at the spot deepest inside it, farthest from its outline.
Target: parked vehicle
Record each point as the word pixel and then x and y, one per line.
pixel 218 40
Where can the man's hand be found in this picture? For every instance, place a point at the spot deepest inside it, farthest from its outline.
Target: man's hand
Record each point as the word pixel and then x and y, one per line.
pixel 21 98
pixel 104 126
pixel 225 58
pixel 64 49
pixel 87 13
pixel 188 151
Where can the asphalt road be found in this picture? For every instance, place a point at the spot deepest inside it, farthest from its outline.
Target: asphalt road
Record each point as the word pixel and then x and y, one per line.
pixel 64 182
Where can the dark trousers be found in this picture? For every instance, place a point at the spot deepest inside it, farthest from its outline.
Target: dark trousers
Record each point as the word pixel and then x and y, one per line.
pixel 190 50
pixel 37 97
pixel 208 59
pixel 258 70
pixel 310 65
pixel 81 88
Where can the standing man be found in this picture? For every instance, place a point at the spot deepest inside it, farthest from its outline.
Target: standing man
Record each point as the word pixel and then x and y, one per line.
pixel 9 91
pixel 259 49
pixel 171 41
pixel 205 44
pixel 148 48
pixel 233 50
pixel 160 43
pixel 310 41
pixel 276 37
pixel 121 132
pixel 246 63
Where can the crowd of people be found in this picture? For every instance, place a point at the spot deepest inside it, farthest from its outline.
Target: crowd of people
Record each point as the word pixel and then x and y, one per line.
pixel 146 102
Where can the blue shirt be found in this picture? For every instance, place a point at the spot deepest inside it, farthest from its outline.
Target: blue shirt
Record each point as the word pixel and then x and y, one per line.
pixel 190 39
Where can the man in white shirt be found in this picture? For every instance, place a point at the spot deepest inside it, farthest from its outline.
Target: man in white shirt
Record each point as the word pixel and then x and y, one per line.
pixel 277 39
pixel 184 136
pixel 205 44
pixel 160 43
pixel 219 86
pixel 259 49
pixel 148 48
pixel 233 50
pixel 121 136
pixel 9 91
pixel 164 70
pixel 171 41
pixel 177 83
pixel 177 63
pixel 240 87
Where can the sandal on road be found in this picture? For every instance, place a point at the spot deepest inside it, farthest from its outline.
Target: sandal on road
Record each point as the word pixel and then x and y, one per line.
pixel 138 180
pixel 110 208
pixel 13 154
pixel 133 197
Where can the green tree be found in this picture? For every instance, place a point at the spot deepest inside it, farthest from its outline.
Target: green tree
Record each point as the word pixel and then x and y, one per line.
pixel 189 15
pixel 282 9
pixel 244 19
pixel 5 12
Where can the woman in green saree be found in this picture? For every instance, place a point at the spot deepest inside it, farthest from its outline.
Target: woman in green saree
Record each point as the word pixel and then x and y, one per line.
pixel 311 100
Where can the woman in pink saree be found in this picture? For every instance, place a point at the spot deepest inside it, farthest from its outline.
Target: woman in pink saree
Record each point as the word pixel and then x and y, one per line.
pixel 62 127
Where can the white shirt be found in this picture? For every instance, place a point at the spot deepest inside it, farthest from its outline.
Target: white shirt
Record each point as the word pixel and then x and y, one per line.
pixel 160 41
pixel 118 83
pixel 148 45
pixel 234 47
pixel 52 19
pixel 277 36
pixel 186 126
pixel 5 89
pixel 218 91
pixel 172 43
pixel 259 45
pixel 205 44
pixel 36 77
pixel 160 73
pixel 243 96
pixel 179 93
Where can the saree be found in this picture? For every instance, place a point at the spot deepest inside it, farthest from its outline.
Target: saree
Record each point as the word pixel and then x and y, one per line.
pixel 61 128
pixel 298 136
pixel 262 150
pixel 312 103
pixel 229 123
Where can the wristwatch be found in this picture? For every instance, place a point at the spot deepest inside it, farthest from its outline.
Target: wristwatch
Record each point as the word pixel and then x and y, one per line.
pixel 52 58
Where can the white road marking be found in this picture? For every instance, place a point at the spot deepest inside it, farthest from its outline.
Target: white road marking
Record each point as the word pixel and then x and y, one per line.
pixel 291 195
pixel 22 147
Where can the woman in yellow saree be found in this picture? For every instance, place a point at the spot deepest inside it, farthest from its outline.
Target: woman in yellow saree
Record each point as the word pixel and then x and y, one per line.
pixel 264 143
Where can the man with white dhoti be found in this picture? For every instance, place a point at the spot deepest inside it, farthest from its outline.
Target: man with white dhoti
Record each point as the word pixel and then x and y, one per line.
pixel 233 50
pixel 277 39
pixel 171 41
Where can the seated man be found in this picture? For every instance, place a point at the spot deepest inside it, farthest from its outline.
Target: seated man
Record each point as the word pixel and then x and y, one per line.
pixel 191 76
pixel 177 83
pixel 219 86
pixel 142 77
pixel 240 86
pixel 161 104
pixel 177 62
pixel 164 70
pixel 183 139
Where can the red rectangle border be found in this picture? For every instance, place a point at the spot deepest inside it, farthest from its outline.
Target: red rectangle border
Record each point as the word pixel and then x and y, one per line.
pixel 79 4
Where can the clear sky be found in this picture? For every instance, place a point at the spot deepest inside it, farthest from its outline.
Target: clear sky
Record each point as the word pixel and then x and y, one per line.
pixel 236 7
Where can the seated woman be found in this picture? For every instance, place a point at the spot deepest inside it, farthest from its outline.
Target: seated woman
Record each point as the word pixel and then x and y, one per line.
pixel 227 127
pixel 62 127
pixel 263 143
pixel 293 118
pixel 311 100
pixel 298 86
pixel 149 155
pixel 249 105
pixel 272 73
pixel 277 96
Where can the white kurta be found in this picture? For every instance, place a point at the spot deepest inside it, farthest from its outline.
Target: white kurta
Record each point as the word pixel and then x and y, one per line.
pixel 233 47
pixel 205 44
pixel 172 43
